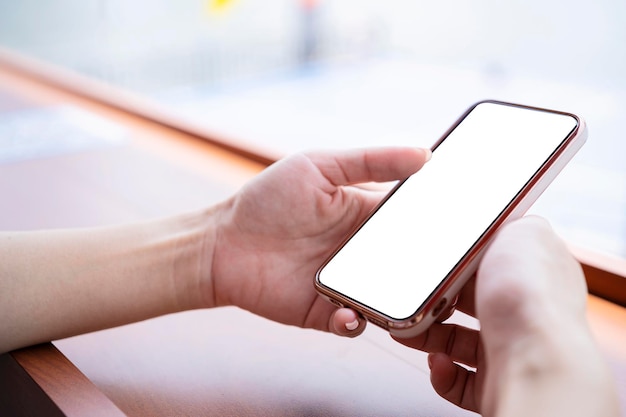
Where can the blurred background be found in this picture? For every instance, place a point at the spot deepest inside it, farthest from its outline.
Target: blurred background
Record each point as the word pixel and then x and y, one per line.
pixel 289 75
pixel 162 44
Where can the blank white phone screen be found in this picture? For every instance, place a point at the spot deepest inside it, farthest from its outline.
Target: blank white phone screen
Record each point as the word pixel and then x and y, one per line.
pixel 404 251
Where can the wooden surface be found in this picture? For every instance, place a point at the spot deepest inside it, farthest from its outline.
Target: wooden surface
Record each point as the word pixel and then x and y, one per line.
pixel 41 381
pixel 218 362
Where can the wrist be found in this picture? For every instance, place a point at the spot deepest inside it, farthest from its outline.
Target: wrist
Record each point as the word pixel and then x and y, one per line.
pixel 193 262
pixel 551 370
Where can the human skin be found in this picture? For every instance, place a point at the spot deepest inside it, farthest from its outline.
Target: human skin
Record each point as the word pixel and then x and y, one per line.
pixel 257 250
pixel 534 354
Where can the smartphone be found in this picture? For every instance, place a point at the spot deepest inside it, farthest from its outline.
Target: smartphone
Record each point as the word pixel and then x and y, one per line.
pixel 407 261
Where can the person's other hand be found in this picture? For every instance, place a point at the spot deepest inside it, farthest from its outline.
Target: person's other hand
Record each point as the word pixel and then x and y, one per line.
pixel 275 233
pixel 534 353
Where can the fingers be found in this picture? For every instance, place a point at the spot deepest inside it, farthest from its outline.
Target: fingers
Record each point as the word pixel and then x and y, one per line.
pixel 447 344
pixel 460 343
pixel 453 382
pixel 365 165
pixel 346 322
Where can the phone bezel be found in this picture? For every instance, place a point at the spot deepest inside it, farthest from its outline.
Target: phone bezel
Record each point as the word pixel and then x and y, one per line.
pixel 444 293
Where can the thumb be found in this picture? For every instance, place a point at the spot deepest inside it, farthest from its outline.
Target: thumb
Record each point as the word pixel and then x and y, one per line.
pixel 372 164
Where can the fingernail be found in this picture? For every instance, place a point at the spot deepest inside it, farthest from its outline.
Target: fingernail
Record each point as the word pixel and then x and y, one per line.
pixel 430 361
pixel 428 154
pixel 352 325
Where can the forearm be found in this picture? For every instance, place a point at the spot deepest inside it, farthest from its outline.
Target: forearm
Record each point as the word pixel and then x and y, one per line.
pixel 55 284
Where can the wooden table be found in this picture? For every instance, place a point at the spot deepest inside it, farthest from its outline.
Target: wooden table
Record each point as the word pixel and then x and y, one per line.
pixel 222 362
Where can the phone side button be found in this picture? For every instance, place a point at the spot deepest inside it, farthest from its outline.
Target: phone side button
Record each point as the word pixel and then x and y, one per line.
pixel 437 310
pixel 335 302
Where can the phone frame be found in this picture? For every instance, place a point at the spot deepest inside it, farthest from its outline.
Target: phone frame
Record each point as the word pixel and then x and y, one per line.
pixel 444 294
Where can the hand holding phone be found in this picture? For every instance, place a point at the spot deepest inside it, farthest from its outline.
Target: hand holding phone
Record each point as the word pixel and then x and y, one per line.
pixel 406 262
